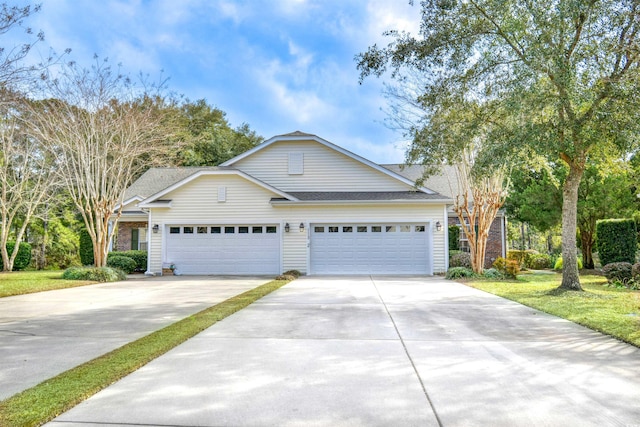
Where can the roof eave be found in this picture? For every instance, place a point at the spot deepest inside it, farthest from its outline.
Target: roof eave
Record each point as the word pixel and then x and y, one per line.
pixel 361 202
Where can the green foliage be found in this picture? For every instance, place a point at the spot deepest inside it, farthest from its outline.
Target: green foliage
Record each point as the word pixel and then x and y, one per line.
pixel 96 274
pixel 617 240
pixel 492 273
pixel 538 262
pixel 287 277
pixel 522 257
pixel 23 258
pixel 294 273
pixel 121 262
pixel 140 258
pixel 459 272
pixel 460 259
pixel 635 272
pixel 454 238
pixel 86 248
pixel 558 264
pixel 509 268
pixel 618 271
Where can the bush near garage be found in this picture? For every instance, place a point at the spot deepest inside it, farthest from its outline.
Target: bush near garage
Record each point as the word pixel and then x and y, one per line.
pixel 140 258
pixel 460 259
pixel 620 272
pixel 459 272
pixel 294 273
pixel 96 274
pixel 509 268
pixel 124 263
pixel 23 258
pixel 558 265
pixel 616 240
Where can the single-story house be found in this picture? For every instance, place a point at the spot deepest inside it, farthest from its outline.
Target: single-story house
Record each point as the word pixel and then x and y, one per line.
pixel 445 182
pixel 296 201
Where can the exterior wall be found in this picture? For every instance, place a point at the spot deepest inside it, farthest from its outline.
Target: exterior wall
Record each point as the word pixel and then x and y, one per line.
pixel 324 170
pixel 495 242
pixel 247 203
pixel 123 239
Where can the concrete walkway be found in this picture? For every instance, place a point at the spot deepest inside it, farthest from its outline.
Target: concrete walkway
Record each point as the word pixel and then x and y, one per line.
pixel 379 351
pixel 46 333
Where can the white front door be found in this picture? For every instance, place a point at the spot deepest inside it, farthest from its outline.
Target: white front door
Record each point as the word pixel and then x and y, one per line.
pixel 384 248
pixel 223 249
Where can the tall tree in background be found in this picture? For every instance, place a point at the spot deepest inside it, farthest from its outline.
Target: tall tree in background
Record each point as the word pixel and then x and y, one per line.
pixel 559 78
pixel 103 135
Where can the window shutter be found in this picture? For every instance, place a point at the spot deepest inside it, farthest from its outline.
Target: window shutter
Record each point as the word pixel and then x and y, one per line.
pixel 135 233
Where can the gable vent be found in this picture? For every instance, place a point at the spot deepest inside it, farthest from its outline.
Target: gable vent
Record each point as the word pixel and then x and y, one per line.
pixel 222 194
pixel 296 163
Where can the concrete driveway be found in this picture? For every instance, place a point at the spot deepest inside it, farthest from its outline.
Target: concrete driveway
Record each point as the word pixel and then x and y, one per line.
pixel 46 333
pixel 379 351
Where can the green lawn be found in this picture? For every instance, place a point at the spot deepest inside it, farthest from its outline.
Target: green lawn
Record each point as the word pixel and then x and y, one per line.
pixel 27 282
pixel 43 402
pixel 615 312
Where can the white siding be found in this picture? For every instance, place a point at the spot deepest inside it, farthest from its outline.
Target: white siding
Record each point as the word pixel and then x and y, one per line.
pixel 324 170
pixel 247 203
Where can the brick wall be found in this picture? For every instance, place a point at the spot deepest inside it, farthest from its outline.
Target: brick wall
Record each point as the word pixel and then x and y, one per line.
pixel 494 241
pixel 123 238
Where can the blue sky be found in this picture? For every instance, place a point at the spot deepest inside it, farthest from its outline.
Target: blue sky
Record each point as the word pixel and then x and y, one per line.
pixel 280 65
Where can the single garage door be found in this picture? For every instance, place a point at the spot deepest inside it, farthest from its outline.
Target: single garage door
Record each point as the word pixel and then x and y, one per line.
pixel 370 249
pixel 224 249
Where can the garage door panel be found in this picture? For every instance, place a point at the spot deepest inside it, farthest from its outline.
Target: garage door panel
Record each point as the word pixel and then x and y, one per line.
pixel 377 249
pixel 225 252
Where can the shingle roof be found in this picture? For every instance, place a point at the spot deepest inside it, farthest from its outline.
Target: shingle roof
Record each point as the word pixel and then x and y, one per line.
pixel 362 196
pixel 444 182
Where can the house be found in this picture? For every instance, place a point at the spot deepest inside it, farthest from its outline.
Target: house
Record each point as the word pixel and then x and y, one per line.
pixel 446 183
pixel 296 201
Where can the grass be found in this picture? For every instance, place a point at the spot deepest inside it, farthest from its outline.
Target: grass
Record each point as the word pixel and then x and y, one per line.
pixel 45 401
pixel 612 311
pixel 27 282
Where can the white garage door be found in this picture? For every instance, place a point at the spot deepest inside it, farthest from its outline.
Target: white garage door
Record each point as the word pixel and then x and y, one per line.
pixel 224 249
pixel 370 249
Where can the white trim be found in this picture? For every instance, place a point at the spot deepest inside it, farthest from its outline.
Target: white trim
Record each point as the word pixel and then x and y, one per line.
pixel 149 238
pixel 307 137
pixel 446 239
pixel 356 202
pixel 126 202
pixel 148 202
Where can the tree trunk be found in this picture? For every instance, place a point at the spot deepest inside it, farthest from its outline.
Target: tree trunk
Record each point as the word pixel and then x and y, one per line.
pixel 570 275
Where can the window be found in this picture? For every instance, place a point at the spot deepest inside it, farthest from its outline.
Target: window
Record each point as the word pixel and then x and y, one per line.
pixel 333 229
pixel 271 229
pixel 376 229
pixel 229 230
pixel 405 228
pixel 243 230
pixel 390 228
pixel 174 230
pixel 318 229
pixel 188 230
pixel 202 230
pixel 347 229
pixel 420 228
pixel 362 229
pixel 216 230
pixel 256 229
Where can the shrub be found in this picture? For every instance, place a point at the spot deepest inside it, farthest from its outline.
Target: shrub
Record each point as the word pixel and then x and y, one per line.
pixel 124 263
pixel 616 240
pixel 140 258
pixel 285 276
pixel 23 258
pixel 294 273
pixel 538 261
pixel 492 273
pixel 462 259
pixel 558 264
pixel 86 248
pixel 507 267
pixel 635 272
pixel 96 274
pixel 523 257
pixel 454 237
pixel 618 271
pixel 459 272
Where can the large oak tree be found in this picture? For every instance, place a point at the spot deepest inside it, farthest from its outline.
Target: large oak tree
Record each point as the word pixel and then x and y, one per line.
pixel 555 77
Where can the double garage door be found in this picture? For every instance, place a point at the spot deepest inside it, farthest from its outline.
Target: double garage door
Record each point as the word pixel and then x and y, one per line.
pixel 224 249
pixel 370 249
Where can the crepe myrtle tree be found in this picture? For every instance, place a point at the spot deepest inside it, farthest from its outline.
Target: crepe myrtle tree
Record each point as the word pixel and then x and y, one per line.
pixel 103 133
pixel 557 78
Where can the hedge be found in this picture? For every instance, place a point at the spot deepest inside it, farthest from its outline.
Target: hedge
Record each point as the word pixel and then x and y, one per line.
pixel 124 263
pixel 97 274
pixel 140 258
pixel 23 258
pixel 616 240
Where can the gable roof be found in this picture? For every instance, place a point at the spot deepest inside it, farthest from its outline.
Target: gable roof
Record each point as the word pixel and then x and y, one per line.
pixel 301 136
pixel 319 197
pixel 195 173
pixel 157 179
pixel 444 182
